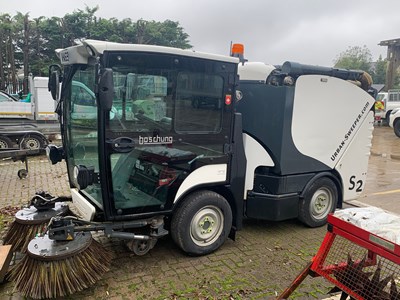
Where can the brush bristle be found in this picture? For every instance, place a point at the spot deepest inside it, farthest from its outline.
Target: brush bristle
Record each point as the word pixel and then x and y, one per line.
pixel 19 235
pixel 51 279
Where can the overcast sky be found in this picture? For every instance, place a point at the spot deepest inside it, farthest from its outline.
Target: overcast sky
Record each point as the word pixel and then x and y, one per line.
pixel 306 31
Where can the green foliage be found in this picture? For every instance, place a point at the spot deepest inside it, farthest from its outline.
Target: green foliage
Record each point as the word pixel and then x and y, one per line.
pixel 31 42
pixel 379 74
pixel 360 58
pixel 356 58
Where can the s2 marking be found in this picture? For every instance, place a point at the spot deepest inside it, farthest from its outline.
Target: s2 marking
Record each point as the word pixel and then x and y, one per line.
pixel 355 184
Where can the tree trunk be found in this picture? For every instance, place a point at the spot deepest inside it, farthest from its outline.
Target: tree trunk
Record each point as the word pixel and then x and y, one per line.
pixel 26 54
pixel 2 77
pixel 13 70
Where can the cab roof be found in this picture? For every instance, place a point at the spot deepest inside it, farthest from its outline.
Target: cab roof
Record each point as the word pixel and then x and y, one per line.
pixel 85 49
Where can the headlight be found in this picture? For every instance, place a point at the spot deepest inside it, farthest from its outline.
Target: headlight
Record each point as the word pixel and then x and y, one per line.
pixel 84 176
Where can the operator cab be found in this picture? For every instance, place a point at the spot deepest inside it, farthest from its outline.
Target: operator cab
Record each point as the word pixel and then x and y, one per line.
pixel 156 119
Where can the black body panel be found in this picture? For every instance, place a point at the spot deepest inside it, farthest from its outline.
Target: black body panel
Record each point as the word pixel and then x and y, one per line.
pixel 238 172
pixel 274 184
pixel 267 116
pixel 272 207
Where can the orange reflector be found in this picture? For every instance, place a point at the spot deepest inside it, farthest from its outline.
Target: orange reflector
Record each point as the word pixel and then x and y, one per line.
pixel 237 49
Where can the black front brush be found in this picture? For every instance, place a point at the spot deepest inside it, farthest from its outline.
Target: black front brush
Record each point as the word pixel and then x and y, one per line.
pixel 54 269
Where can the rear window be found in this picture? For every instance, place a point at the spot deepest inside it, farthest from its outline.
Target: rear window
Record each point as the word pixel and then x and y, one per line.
pixel 380 97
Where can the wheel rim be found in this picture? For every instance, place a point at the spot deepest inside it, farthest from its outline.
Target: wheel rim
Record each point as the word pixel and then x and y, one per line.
pixel 206 226
pixel 3 144
pixel 141 247
pixel 321 203
pixel 31 143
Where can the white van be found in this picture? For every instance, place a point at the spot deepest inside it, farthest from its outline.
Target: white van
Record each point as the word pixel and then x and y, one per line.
pixel 391 101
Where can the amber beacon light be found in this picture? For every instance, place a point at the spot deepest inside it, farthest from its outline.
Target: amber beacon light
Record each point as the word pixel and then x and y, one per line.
pixel 237 50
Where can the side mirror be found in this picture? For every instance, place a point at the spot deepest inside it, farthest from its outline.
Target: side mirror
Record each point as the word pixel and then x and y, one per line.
pixel 54 81
pixel 106 90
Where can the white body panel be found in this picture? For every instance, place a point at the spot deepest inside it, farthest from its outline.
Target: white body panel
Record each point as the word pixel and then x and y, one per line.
pixel 327 107
pixel 41 97
pixel 254 71
pixel 256 156
pixel 353 165
pixel 203 175
pixel 16 110
pixel 85 209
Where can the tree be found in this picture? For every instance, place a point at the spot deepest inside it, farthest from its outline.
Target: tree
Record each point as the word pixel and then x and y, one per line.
pixel 379 74
pixel 356 58
pixel 30 44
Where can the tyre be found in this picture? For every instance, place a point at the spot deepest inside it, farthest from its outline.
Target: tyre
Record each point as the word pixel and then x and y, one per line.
pixel 396 127
pixel 32 142
pixel 201 223
pixel 387 117
pixel 22 173
pixel 5 142
pixel 319 200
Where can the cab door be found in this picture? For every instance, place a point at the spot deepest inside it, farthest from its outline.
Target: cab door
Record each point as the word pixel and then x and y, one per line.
pixel 168 118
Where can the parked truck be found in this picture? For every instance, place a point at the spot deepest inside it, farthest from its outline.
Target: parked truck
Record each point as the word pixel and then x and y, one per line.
pixel 38 107
pixel 29 123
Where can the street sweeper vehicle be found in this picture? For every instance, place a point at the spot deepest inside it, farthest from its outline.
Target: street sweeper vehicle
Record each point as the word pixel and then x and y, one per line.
pixel 188 143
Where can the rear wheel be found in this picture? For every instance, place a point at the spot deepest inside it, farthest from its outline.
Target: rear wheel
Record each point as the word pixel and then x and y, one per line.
pixel 396 127
pixel 319 200
pixel 201 223
pixel 32 142
pixel 5 142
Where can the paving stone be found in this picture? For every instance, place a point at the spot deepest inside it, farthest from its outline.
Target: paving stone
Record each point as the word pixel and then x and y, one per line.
pixel 262 262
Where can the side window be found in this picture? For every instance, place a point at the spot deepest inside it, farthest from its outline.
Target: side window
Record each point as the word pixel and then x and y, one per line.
pixel 198 106
pixel 3 98
pixel 394 97
pixel 82 95
pixel 140 102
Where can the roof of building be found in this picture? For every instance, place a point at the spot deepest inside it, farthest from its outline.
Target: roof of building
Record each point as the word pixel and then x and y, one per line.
pixel 393 42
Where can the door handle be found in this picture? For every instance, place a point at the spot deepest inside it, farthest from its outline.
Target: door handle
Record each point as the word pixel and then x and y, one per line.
pixel 122 144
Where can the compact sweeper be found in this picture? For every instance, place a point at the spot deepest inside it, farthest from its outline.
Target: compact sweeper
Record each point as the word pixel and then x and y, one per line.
pixel 160 140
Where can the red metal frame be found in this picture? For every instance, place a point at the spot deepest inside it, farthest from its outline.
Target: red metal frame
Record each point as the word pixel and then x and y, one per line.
pixel 374 244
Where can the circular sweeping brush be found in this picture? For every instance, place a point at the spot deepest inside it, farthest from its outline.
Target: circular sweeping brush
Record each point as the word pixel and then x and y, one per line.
pixel 30 222
pixel 52 269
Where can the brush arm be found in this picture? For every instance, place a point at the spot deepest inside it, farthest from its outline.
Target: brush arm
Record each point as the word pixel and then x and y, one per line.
pixel 44 201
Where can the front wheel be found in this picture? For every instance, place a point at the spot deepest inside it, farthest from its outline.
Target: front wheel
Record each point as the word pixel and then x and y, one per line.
pixel 201 223
pixel 319 200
